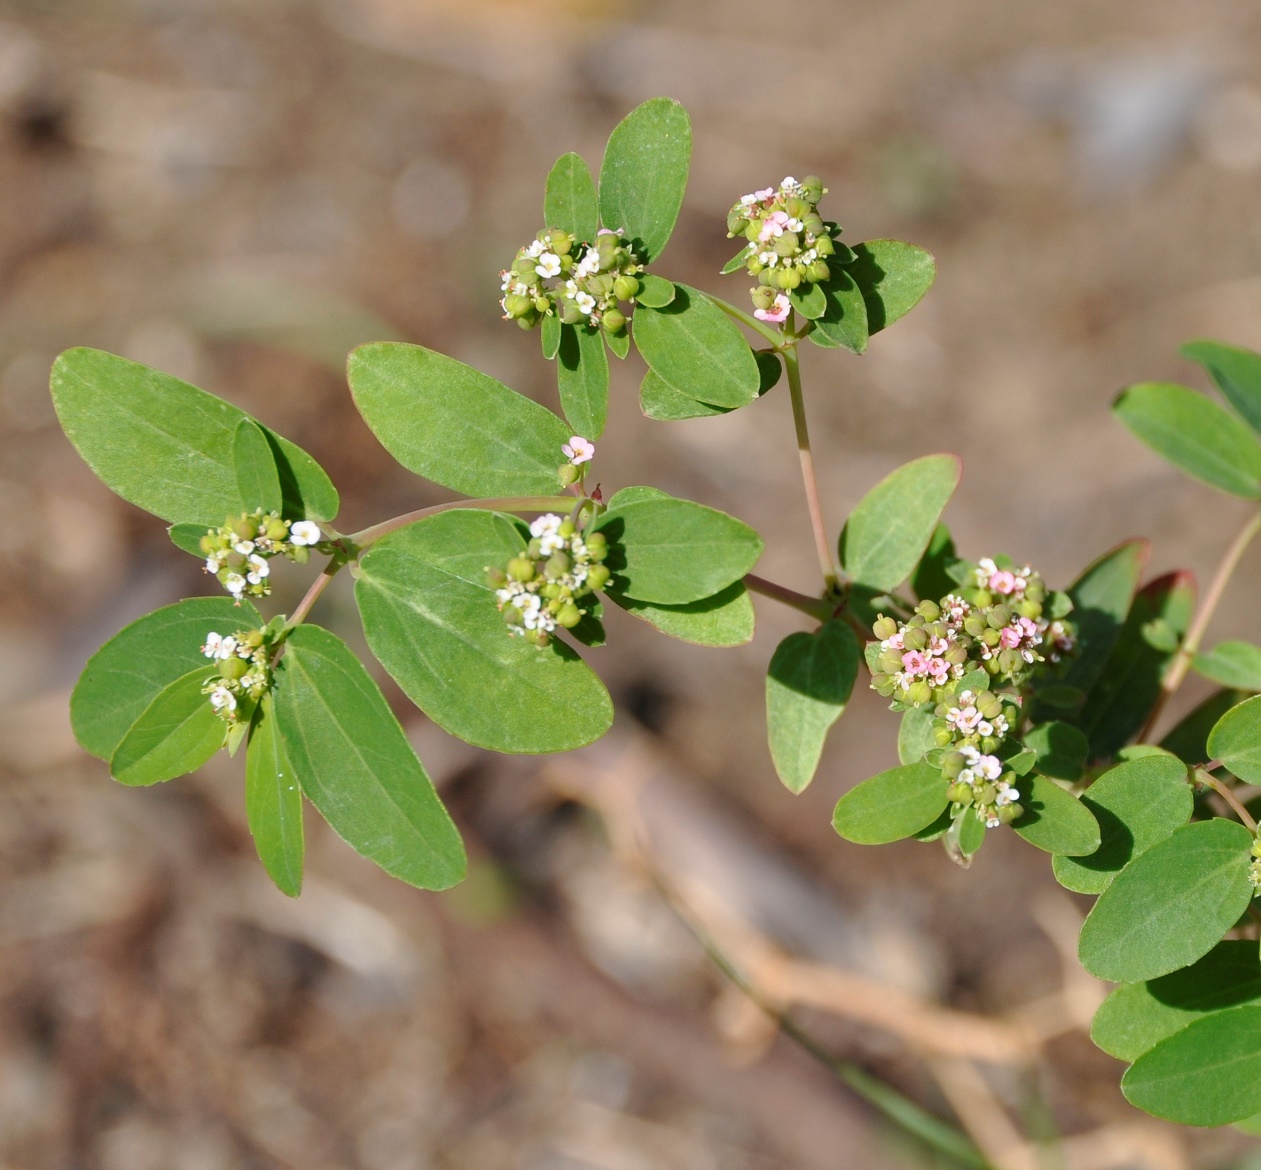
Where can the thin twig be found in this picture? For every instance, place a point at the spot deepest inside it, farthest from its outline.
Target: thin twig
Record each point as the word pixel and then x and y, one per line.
pixel 774 336
pixel 822 546
pixel 313 594
pixel 1223 790
pixel 1181 663
pixel 813 606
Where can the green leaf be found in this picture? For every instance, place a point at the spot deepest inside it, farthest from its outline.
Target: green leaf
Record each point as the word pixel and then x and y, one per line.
pixel 695 347
pixel 808 684
pixel 1101 599
pixel 1189 739
pixel 1138 1016
pixel 1209 1073
pixel 1194 433
pixel 1236 371
pixel 187 538
pixel 966 834
pixel 431 618
pixel 257 480
pixel 569 200
pixel 893 277
pixel 1060 750
pixel 619 343
pixel 736 263
pixel 809 300
pixel 174 735
pixel 273 802
pixel 454 425
pixel 1055 820
pixel 644 174
pixel 1236 740
pixel 663 403
pixel 549 335
pixel 306 490
pixel 126 674
pixel 844 320
pixel 1170 905
pixel 1119 703
pixel 582 373
pixel 915 734
pixel 655 292
pixel 726 619
pixel 166 446
pixel 675 551
pixel 930 580
pixel 355 765
pixel 891 805
pixel 1136 804
pixel 887 533
pixel 1233 664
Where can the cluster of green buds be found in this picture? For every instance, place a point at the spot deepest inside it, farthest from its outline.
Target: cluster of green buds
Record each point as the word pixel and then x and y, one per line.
pixel 580 283
pixel 244 661
pixel 237 552
pixel 788 242
pixel 1254 870
pixel 974 733
pixel 545 586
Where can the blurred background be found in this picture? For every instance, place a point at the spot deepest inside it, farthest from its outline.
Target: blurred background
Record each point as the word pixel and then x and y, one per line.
pixel 237 192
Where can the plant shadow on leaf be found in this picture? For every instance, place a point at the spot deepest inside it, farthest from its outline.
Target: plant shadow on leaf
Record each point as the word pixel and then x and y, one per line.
pixel 1117 848
pixel 614 528
pixel 868 274
pixel 680 304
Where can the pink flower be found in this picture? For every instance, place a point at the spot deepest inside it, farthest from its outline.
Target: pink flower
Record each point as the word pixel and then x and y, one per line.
pixel 1009 639
pixel 578 450
pixel 773 225
pixel 939 669
pixel 1003 581
pixel 776 313
pixel 913 662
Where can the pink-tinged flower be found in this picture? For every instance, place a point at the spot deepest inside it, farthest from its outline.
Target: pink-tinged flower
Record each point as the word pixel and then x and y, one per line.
pixel 776 313
pixel 1003 581
pixel 578 450
pixel 939 670
pixel 913 662
pixel 773 225
pixel 1009 638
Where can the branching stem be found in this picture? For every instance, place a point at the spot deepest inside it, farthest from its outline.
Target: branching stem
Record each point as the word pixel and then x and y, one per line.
pixel 1205 777
pixel 1181 662
pixel 813 606
pixel 821 544
pixel 774 336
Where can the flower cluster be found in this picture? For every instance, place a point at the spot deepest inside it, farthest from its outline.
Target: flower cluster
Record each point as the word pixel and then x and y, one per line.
pixel 994 624
pixel 237 553
pixel 580 283
pixel 244 661
pixel 543 587
pixel 1254 870
pixel 788 243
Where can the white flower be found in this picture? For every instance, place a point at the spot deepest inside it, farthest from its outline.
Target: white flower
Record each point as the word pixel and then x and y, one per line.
pixel 244 547
pixel 211 648
pixel 578 450
pixel 305 532
pixel 212 565
pixel 585 302
pixel 222 699
pixel 536 249
pixel 546 529
pixel 259 569
pixel 234 583
pixel 589 265
pixel 548 265
pixel 989 767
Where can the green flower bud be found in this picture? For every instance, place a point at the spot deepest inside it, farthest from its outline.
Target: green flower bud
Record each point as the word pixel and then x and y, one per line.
pixel 1008 812
pixel 736 223
pixel 275 528
pixel 537 638
pixel 985 794
pixel 787 245
pixel 567 528
pixel 762 297
pixel 551 591
pixel 596 540
pixel 930 611
pixel 625 288
pixel 512 615
pixel 569 616
pixel 1256 848
pixel 755 266
pixel 523 266
pixel 919 692
pixel 1030 609
pixel 516 305
pixel 769 278
pixel 234 667
pixel 208 544
pixel 813 225
pixel 819 272
pixel 570 314
pixel 789 279
pixel 952 763
pixel 1035 591
pixel 560 241
pixel 960 793
pixel 245 528
pixel 569 474
pixel 496 578
pixel 974 624
pixel 989 705
pixel 982 597
pixel 890 661
pixel 597 576
pixel 812 188
pixel 942 736
pixel 957 655
pixel 521 569
pixel 884 627
pixel 542 305
pixel 299 554
pixel 254 639
pixel 990 636
pixel 527 323
pixel 998 617
pixel 752 232
pixel 1009 661
pixel 614 321
pixel 558 565
pixel 915 637
pixel 824 246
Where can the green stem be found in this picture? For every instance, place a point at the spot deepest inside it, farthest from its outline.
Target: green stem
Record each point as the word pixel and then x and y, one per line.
pixel 1181 662
pixel 313 594
pixel 774 336
pixel 501 504
pixel 821 543
pixel 812 606
pixel 1203 776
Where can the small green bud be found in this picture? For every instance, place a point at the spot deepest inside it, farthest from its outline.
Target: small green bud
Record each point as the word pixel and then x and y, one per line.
pixel 542 304
pixel 551 591
pixel 989 704
pixel 1009 661
pixel 982 597
pixel 521 569
pixel 1008 812
pixel 567 528
pixel 812 188
pixel 496 578
pixel 560 241
pixel 512 615
pixel 537 638
pixel 974 624
pixel 752 232
pixel 789 279
pixel 570 615
pixel 1030 609
pixel 960 793
pixel 557 566
pixel 768 278
pixel 942 736
pixel 527 323
pixel 736 223
pixel 254 639
pixel 275 528
pixel 569 474
pixel 884 627
pixel 299 554
pixel 919 692
pixel 596 540
pixel 614 321
pixel 625 288
pixel 890 661
pixel 930 611
pixel 755 265
pixel 234 667
pixel 570 314
pixel 985 794
pixel 787 245
pixel 824 246
pixel 1256 848
pixel 523 266
pixel 819 272
pixel 208 544
pixel 762 297
pixel 534 549
pixel 597 576
pixel 952 763
pixel 813 224
pixel 245 528
pixel 915 637
pixel 998 617
pixel 990 636
pixel 957 655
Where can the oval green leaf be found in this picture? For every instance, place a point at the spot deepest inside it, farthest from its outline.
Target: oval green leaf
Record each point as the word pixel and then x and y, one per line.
pixel 431 619
pixel 454 425
pixel 1237 373
pixel 1236 740
pixel 1209 1073
pixel 893 277
pixel 569 200
pixel 1232 664
pixel 892 805
pixel 355 765
pixel 695 347
pixel 582 375
pixel 549 336
pixel 273 802
pixel 1055 820
pixel 1138 1016
pixel 1136 804
pixel 644 174
pixel 1170 905
pixel 1059 750
pixel 808 683
pixel 888 531
pixel 1195 434
pixel 726 619
pixel 175 734
pixel 257 479
pixel 915 733
pixel 843 322
pixel 675 551
pixel 126 674
pixel 655 292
